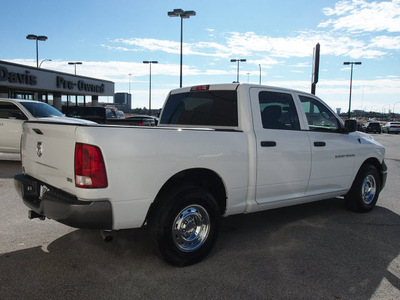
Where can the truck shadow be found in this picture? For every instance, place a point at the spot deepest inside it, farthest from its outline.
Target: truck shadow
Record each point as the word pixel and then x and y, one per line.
pixel 312 251
pixel 9 168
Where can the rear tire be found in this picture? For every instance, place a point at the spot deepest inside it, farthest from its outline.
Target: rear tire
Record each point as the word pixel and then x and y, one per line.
pixel 185 226
pixel 364 192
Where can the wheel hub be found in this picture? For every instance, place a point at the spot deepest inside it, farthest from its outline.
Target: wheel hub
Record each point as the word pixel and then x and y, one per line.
pixel 368 189
pixel 190 228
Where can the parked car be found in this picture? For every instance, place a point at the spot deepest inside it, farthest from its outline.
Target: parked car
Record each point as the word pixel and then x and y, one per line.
pixel 359 126
pixel 143 120
pixel 14 112
pixel 390 127
pixel 108 115
pixel 373 127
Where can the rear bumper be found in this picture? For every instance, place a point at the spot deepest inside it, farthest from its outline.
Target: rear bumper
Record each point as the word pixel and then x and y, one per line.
pixel 65 208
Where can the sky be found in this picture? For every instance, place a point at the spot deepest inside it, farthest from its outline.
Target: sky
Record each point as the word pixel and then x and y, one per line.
pixel 113 38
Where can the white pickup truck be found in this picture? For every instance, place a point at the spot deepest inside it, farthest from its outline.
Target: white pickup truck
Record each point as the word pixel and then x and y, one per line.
pixel 13 112
pixel 219 150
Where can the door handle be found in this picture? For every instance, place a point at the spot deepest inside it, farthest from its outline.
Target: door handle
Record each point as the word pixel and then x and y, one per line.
pixel 319 144
pixel 268 144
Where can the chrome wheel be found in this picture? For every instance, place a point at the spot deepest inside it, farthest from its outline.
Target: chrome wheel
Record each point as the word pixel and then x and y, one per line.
pixel 368 189
pixel 190 228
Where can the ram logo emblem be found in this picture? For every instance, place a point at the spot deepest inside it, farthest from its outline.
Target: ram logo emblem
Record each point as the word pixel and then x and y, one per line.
pixel 39 149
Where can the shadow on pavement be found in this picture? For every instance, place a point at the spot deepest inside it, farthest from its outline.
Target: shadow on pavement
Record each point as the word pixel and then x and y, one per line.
pixel 312 251
pixel 9 168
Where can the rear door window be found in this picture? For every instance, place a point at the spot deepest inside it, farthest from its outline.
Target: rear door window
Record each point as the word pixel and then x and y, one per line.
pixel 278 111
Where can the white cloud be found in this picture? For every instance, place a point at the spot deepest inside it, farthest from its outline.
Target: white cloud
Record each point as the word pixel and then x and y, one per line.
pixel 140 44
pixel 301 45
pixel 360 15
pixel 302 65
pixel 250 44
pixel 386 42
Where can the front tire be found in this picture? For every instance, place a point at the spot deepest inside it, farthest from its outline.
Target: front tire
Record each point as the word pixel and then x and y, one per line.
pixel 185 226
pixel 364 192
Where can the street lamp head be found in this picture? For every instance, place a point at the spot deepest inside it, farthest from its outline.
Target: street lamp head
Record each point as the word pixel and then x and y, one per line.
pixel 190 13
pixel 172 14
pixel 352 63
pixel 31 37
pixel 242 60
pixel 181 13
pixel 233 60
pixel 187 14
pixel 35 37
pixel 175 13
pixel 178 11
pixel 75 63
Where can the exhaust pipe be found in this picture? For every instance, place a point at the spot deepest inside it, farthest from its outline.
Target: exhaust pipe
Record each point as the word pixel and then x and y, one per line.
pixel 107 235
pixel 34 215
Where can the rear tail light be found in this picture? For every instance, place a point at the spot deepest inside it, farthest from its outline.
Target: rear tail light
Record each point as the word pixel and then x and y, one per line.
pixel 200 88
pixel 90 170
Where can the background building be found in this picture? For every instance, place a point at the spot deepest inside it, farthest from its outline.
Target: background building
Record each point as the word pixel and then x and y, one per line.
pixel 123 101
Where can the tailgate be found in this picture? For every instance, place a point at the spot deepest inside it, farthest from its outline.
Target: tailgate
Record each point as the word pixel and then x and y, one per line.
pixel 47 152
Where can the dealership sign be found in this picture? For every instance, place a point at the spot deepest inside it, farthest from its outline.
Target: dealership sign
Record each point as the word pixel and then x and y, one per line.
pixel 81 85
pixel 15 76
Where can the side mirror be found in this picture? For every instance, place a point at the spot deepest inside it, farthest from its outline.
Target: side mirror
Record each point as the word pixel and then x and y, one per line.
pixel 350 125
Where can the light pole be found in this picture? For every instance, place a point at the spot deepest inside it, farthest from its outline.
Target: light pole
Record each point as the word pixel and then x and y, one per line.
pixel 394 105
pixel 37 38
pixel 260 74
pixel 351 81
pixel 44 61
pixel 75 63
pixel 184 15
pixel 150 63
pixel 238 60
pixel 129 83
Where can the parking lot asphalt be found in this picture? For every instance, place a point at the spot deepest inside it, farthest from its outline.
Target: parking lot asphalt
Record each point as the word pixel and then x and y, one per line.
pixel 318 250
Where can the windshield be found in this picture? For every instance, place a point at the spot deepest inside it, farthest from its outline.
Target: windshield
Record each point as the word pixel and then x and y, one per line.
pixel 41 110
